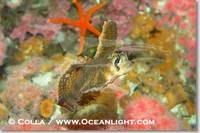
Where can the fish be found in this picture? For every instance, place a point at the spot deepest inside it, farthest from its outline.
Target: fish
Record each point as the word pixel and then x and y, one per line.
pixel 82 82
pixel 84 78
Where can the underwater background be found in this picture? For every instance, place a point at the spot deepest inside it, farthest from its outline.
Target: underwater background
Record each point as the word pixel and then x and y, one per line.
pixel 98 59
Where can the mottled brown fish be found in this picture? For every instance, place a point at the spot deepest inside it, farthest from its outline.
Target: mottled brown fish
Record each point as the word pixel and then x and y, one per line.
pixel 81 79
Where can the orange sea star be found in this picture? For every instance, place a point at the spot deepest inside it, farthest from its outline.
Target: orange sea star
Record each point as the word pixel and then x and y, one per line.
pixel 83 23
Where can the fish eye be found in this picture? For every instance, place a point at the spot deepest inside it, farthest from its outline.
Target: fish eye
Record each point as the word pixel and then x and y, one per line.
pixel 116 62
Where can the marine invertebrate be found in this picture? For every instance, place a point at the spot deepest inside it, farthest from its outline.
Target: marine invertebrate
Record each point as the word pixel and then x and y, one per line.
pixel 47 108
pixel 83 23
pixel 77 80
pixel 151 109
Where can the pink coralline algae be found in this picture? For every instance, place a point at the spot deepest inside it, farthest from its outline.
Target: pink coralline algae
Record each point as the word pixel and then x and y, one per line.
pixel 122 12
pixel 19 91
pixel 126 5
pixel 26 69
pixel 150 109
pixel 184 9
pixel 20 94
pixel 182 13
pixel 34 25
pixel 2 48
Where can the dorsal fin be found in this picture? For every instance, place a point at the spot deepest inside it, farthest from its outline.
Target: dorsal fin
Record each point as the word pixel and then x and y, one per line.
pixel 107 39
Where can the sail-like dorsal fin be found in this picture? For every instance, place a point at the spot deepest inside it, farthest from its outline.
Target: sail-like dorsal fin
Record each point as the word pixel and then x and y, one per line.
pixel 107 39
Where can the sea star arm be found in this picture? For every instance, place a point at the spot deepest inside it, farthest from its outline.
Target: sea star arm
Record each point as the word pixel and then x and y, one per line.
pixel 64 20
pixel 79 8
pixel 83 22
pixel 93 30
pixel 90 12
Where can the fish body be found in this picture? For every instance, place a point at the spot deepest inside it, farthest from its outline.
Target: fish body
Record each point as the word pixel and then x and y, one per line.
pixel 80 79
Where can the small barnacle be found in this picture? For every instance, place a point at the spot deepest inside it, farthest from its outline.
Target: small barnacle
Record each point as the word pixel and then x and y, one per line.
pixel 47 108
